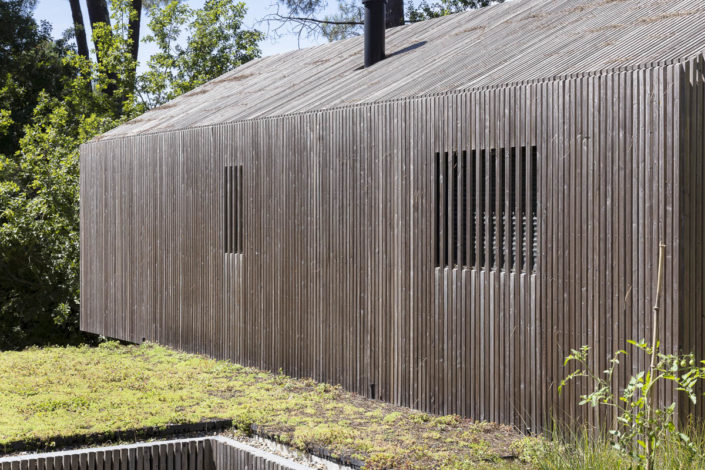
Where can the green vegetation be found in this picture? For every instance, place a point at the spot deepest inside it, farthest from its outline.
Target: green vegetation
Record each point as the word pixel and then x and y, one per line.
pixel 57 391
pixel 585 450
pixel 54 392
pixel 643 425
pixel 53 100
pixel 309 17
pixel 30 62
pixel 425 10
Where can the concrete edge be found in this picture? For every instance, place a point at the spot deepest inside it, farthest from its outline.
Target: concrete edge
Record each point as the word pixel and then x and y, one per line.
pixel 273 458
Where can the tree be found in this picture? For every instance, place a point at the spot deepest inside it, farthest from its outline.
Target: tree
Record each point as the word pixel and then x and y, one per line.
pixel 135 28
pixel 39 297
pixel 216 43
pixel 79 28
pixel 99 14
pixel 395 13
pixel 30 61
pixel 39 183
pixel 425 10
pixel 306 17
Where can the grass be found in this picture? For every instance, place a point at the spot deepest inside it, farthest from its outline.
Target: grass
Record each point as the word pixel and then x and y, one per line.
pixel 54 392
pixel 582 450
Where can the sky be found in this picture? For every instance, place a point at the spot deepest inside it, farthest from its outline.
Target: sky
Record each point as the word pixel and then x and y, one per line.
pixel 58 13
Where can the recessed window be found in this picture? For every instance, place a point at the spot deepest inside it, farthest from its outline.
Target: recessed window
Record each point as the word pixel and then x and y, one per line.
pixel 233 209
pixel 486 209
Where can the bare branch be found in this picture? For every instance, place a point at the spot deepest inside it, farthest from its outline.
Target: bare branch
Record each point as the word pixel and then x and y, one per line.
pixel 279 17
pixel 306 22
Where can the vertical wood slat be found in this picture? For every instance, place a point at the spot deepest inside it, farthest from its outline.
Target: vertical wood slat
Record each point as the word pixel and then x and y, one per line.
pixel 362 238
pixel 216 453
pixel 691 301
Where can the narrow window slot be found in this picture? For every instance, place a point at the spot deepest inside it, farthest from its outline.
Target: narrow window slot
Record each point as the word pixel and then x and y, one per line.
pixel 463 209
pixel 511 194
pixel 500 201
pixel 472 165
pixel 454 212
pixel 522 208
pixel 232 210
pixel 445 209
pixel 534 210
pixel 481 216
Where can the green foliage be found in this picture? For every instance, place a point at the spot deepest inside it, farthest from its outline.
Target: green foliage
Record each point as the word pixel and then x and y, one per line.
pixel 426 10
pixel 584 449
pixel 30 62
pixel 349 11
pixel 84 390
pixel 216 43
pixel 5 120
pixel 302 7
pixel 39 181
pixel 308 18
pixel 39 231
pixel 39 193
pixel 113 75
pixel 643 424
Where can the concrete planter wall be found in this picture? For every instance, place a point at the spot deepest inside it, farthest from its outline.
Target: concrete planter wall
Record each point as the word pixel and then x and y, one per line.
pixel 210 453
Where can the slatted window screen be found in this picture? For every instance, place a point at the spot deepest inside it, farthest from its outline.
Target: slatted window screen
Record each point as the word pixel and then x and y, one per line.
pixel 486 209
pixel 233 209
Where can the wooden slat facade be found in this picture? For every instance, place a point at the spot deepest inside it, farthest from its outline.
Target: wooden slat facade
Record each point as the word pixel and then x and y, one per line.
pixel 338 278
pixel 692 247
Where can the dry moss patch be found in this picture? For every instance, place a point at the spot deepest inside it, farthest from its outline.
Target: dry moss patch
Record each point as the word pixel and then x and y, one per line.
pixel 52 392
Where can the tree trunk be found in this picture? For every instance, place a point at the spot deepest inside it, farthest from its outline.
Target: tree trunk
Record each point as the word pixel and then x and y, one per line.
pixel 79 28
pixel 395 13
pixel 135 28
pixel 98 13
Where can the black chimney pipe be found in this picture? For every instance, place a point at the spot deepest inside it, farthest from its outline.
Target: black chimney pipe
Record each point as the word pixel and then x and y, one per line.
pixel 375 24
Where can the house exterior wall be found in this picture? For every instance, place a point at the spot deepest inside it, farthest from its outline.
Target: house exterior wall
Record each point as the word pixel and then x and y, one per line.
pixel 337 279
pixel 692 251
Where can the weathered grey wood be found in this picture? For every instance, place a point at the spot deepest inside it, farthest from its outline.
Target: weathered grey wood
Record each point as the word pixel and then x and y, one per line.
pixel 516 42
pixel 328 239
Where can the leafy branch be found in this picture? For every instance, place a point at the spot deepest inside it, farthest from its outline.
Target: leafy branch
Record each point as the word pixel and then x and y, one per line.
pixel 642 423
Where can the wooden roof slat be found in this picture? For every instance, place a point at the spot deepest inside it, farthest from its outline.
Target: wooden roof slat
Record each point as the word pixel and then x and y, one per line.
pixel 520 41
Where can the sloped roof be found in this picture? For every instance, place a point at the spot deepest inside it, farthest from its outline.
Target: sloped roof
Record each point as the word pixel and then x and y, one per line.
pixel 516 41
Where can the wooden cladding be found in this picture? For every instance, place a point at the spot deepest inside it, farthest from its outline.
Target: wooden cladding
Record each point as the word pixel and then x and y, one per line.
pixel 338 279
pixel 232 191
pixel 692 319
pixel 485 209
